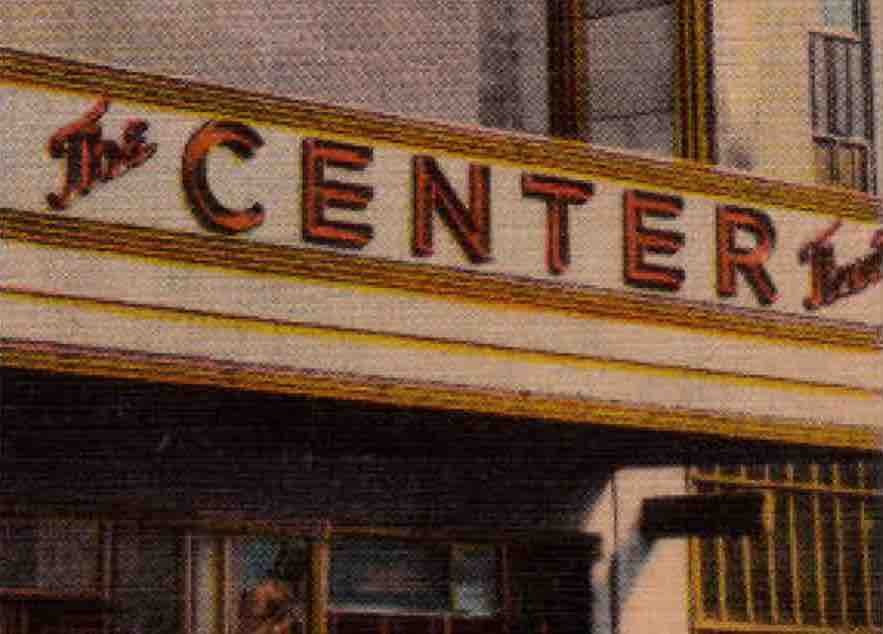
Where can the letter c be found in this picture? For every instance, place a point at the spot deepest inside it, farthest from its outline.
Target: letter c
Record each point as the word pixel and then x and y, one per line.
pixel 242 141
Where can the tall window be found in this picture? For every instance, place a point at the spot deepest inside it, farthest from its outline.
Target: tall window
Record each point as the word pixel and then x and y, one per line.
pixel 632 74
pixel 840 77
pixel 819 567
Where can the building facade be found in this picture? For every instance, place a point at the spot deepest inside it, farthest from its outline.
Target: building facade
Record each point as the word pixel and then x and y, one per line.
pixel 478 316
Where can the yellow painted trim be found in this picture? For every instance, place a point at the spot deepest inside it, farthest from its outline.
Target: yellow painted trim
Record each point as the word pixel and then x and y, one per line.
pixel 500 291
pixel 507 148
pixel 791 628
pixel 411 394
pixel 760 628
pixel 356 336
pixel 786 486
pixel 693 107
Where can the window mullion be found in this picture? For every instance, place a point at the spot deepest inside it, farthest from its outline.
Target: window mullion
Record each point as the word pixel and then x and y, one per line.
pixel 227 616
pixel 865 536
pixel 187 604
pixel 819 541
pixel 318 584
pixel 771 554
pixel 792 539
pixel 747 562
pixel 838 541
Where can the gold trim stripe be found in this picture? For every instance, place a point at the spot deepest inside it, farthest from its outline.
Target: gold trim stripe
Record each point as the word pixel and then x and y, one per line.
pixel 693 100
pixel 719 627
pixel 445 345
pixel 506 292
pixel 85 361
pixel 549 155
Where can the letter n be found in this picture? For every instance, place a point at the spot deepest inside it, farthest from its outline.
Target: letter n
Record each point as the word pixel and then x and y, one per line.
pixel 434 194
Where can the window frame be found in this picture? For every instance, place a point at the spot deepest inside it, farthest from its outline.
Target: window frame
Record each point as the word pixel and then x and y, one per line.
pixel 825 132
pixel 693 120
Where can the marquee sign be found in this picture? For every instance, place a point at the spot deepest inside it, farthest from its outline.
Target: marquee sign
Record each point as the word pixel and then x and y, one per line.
pixel 165 230
pixel 414 206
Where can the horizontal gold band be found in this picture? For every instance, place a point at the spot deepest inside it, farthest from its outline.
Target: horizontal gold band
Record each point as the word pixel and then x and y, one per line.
pixel 199 371
pixel 725 627
pixel 393 341
pixel 505 292
pixel 548 155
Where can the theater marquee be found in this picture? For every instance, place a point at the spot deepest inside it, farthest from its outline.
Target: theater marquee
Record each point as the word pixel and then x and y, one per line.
pixel 358 197
pixel 373 226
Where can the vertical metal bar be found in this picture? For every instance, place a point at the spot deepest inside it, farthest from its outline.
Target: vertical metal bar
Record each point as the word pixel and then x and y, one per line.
pixel 819 544
pixel 696 578
pixel 792 539
pixel 841 555
pixel 721 556
pixel 320 553
pixel 747 567
pixel 865 536
pixel 105 573
pixel 187 583
pixel 771 555
pixel 226 570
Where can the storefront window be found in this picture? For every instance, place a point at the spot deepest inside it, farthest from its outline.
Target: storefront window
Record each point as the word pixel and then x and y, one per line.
pixel 381 575
pixel 249 584
pixel 49 555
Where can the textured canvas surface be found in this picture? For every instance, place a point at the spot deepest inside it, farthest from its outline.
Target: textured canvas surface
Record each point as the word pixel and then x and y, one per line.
pixel 366 351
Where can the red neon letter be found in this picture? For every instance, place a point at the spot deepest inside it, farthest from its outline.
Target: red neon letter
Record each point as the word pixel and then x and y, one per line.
pixel 639 240
pixel 91 158
pixel 242 141
pixel 319 194
pixel 470 227
pixel 558 194
pixel 749 262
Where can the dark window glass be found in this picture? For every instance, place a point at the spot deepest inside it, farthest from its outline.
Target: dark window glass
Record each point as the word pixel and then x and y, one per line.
pixel 389 575
pixel 473 580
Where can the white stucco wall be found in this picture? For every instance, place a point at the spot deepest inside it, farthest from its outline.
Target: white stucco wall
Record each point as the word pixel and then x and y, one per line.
pixel 639 584
pixel 761 82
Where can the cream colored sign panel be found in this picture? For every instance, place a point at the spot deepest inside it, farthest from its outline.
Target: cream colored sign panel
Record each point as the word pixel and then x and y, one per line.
pixel 81 156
